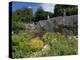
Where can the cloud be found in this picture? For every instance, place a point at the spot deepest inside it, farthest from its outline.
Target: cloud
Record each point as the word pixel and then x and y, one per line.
pixel 48 7
pixel 29 7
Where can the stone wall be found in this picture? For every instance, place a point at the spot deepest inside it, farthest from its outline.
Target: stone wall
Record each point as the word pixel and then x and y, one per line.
pixel 48 25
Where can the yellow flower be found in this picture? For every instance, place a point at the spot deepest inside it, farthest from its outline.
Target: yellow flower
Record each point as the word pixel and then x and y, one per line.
pixel 36 43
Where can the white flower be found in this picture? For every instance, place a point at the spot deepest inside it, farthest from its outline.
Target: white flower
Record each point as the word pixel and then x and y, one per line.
pixel 46 47
pixel 70 37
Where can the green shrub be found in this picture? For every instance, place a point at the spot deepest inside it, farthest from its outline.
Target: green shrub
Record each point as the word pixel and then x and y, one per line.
pixel 60 45
pixel 36 43
pixel 48 37
pixel 20 47
pixel 64 46
pixel 18 26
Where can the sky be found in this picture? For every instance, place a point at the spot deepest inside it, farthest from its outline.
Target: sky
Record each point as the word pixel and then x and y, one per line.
pixel 46 6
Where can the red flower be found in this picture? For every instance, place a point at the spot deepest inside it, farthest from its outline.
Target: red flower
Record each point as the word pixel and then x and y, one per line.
pixel 39 34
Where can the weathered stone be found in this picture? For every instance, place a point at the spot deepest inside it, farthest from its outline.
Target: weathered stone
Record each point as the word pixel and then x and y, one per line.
pixel 48 25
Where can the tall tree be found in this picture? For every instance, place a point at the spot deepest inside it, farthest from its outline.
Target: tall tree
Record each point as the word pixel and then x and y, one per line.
pixel 42 15
pixel 69 9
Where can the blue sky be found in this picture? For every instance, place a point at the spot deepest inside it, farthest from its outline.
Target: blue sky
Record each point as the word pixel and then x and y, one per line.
pixel 46 6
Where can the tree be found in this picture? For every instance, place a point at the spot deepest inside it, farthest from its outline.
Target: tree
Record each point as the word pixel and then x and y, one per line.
pixel 19 17
pixel 69 9
pixel 42 15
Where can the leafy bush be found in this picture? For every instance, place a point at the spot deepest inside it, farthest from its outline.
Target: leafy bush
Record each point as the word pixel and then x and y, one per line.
pixel 48 37
pixel 36 43
pixel 64 46
pixel 20 47
pixel 18 26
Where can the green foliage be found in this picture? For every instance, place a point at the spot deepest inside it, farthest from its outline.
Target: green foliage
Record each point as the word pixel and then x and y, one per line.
pixel 47 37
pixel 20 46
pixel 36 43
pixel 19 17
pixel 60 45
pixel 23 15
pixel 42 15
pixel 69 9
pixel 18 26
pixel 23 46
